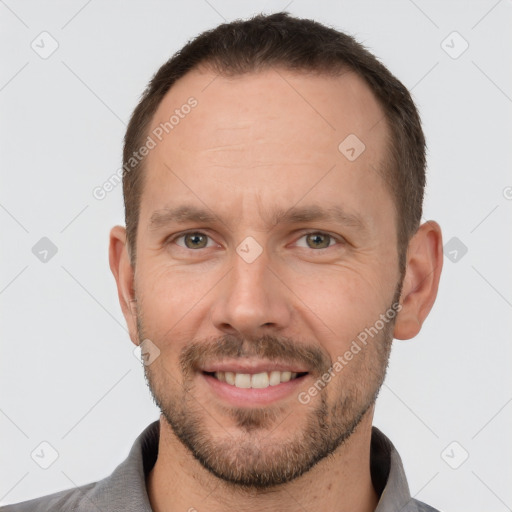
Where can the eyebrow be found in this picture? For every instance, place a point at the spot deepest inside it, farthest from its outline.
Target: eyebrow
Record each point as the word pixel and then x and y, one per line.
pixel 180 215
pixel 294 215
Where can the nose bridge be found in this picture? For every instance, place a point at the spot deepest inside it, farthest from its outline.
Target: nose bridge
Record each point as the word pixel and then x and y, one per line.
pixel 249 277
pixel 252 297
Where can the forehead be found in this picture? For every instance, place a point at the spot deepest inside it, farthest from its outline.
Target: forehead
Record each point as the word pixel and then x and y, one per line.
pixel 271 134
pixel 232 109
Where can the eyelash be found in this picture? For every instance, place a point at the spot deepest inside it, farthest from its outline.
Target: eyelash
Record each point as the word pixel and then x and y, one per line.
pixel 337 239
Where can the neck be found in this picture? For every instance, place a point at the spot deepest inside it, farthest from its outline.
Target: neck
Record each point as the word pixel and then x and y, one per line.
pixel 341 482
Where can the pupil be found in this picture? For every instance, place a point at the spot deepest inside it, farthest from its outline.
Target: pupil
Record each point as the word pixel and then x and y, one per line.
pixel 195 240
pixel 318 241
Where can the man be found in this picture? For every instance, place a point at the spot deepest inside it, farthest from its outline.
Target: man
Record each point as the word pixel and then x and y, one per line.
pixel 273 186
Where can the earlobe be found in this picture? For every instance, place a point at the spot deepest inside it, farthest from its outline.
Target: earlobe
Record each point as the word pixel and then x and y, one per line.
pixel 421 280
pixel 123 272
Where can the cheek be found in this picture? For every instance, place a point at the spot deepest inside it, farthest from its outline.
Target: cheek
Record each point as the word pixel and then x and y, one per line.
pixel 172 299
pixel 339 302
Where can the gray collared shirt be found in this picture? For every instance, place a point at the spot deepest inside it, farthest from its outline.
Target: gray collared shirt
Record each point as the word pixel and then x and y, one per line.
pixel 125 489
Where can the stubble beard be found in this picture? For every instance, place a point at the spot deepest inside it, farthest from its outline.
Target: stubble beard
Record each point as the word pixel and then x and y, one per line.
pixel 255 457
pixel 252 458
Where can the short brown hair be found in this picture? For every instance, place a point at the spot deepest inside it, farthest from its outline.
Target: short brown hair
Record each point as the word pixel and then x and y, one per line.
pixel 295 44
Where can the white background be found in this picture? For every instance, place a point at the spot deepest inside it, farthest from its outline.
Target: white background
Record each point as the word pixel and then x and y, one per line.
pixel 68 374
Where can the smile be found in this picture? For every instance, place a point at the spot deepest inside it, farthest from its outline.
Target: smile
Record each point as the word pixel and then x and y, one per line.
pixel 259 380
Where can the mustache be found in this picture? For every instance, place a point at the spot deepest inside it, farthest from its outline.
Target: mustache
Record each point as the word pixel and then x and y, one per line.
pixel 197 354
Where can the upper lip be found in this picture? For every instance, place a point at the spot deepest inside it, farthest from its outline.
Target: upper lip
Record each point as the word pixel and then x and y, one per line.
pixel 252 367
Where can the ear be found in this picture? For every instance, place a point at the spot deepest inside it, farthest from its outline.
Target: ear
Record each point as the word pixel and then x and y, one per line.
pixel 421 280
pixel 124 274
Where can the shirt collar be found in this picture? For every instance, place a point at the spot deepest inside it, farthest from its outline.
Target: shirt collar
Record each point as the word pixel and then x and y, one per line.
pixel 126 489
pixel 388 475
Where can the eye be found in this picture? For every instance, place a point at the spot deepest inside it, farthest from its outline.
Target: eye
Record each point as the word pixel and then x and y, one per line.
pixel 195 240
pixel 316 240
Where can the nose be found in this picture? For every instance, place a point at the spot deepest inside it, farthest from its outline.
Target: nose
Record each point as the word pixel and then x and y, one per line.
pixel 252 300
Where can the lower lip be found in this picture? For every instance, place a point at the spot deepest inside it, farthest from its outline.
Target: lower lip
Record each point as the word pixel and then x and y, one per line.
pixel 243 397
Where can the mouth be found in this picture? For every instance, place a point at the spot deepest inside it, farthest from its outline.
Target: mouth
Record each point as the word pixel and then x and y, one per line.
pixel 260 380
pixel 252 387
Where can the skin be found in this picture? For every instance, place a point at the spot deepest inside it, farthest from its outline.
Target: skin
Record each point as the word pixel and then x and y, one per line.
pixel 254 144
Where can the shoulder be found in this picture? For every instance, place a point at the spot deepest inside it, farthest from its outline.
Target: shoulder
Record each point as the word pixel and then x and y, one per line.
pixel 124 490
pixel 69 500
pixel 418 506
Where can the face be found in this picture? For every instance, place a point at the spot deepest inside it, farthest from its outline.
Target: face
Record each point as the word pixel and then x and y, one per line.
pixel 263 254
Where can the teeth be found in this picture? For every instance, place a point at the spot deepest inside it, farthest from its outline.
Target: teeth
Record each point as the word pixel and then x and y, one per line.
pixel 256 380
pixel 242 380
pixel 259 380
pixel 286 376
pixel 275 378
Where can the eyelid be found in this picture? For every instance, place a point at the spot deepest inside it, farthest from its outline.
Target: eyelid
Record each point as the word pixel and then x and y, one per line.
pixel 338 238
pixel 172 238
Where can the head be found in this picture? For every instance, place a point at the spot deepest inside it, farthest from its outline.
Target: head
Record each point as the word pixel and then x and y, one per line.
pixel 273 186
